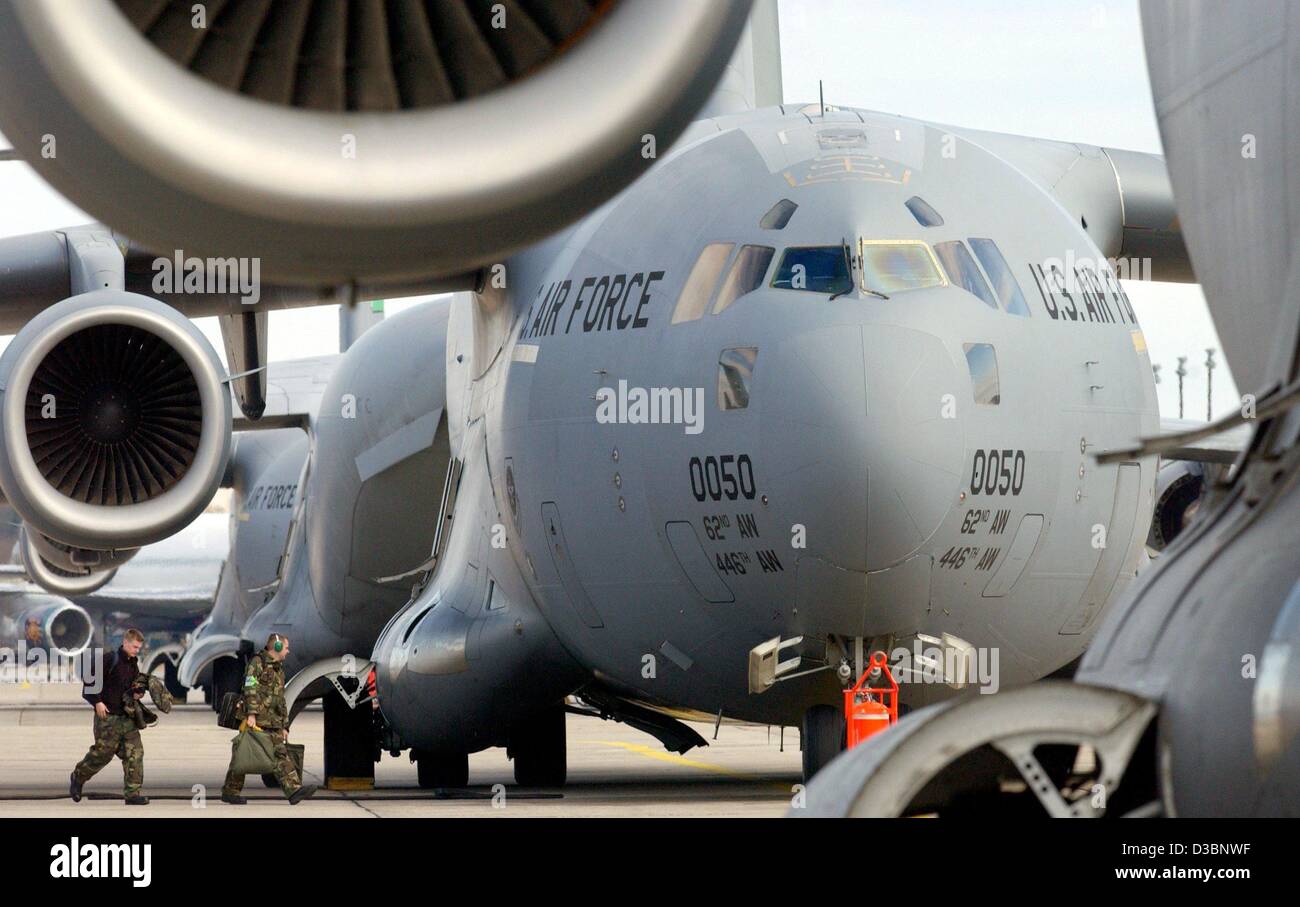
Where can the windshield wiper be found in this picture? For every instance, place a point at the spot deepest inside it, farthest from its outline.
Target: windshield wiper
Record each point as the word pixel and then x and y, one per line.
pixel 848 267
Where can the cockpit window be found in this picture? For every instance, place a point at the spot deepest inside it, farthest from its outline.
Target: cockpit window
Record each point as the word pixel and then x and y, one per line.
pixel 963 271
pixel 818 269
pixel 746 275
pixel 701 281
pixel 925 215
pixel 894 266
pixel 1004 281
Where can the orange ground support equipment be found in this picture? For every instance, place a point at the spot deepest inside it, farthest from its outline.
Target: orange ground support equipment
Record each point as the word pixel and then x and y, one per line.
pixel 872 705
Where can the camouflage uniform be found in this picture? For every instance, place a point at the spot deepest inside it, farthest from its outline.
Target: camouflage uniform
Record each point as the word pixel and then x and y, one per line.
pixel 115 735
pixel 264 697
pixel 137 711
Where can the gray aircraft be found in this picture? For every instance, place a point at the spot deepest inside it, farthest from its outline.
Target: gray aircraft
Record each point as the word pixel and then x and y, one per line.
pixel 1187 703
pixel 264 477
pixel 822 381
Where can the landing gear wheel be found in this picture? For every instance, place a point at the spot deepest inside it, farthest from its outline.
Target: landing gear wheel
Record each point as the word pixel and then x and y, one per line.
pixel 227 677
pixel 821 738
pixel 435 769
pixel 538 748
pixel 172 681
pixel 1054 748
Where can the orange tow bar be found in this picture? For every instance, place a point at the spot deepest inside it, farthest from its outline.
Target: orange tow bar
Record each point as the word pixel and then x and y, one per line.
pixel 872 704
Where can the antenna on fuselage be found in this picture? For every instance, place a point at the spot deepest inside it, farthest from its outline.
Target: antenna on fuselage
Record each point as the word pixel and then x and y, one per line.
pixel 821 98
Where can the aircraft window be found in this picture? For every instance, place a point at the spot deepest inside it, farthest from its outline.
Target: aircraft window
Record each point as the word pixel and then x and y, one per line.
pixel 735 370
pixel 1004 281
pixel 925 215
pixel 894 266
pixel 819 269
pixel 778 215
pixel 746 275
pixel 701 281
pixel 963 271
pixel 983 362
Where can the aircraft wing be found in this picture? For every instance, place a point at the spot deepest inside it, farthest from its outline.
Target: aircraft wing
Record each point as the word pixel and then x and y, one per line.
pixel 1223 447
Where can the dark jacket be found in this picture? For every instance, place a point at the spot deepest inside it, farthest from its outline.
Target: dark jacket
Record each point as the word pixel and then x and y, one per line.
pixel 120 671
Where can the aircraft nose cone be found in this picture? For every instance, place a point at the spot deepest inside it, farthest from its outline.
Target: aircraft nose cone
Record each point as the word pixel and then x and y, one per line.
pixel 867 434
pixel 917 396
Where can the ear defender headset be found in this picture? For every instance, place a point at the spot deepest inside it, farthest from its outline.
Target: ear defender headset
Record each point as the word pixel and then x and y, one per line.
pixel 278 644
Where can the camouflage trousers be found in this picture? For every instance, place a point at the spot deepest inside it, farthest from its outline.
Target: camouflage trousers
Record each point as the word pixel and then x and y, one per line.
pixel 286 773
pixel 115 735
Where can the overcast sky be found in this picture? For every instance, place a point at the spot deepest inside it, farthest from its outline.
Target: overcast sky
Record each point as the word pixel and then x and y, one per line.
pixel 1061 69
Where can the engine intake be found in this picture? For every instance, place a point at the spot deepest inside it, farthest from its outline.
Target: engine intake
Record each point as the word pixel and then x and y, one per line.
pixel 116 424
pixel 54 566
pixel 46 622
pixel 1179 487
pixel 370 142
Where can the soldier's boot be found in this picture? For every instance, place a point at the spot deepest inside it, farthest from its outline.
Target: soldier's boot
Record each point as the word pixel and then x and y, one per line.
pixel 305 792
pixel 233 799
pixel 137 800
pixel 74 788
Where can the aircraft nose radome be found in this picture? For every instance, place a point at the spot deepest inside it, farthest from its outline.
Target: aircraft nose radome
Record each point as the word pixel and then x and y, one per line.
pixel 916 396
pixel 866 432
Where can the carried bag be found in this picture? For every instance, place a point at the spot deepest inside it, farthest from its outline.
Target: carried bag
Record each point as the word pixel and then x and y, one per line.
pixel 252 753
pixel 231 711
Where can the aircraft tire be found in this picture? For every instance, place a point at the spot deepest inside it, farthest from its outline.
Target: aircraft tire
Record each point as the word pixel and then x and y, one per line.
pixel 822 738
pixel 538 748
pixel 172 681
pixel 955 757
pixel 435 769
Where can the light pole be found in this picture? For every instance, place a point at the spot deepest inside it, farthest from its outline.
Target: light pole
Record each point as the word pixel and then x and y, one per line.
pixel 1209 383
pixel 1181 372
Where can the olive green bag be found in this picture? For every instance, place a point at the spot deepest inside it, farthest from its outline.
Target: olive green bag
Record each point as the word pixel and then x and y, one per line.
pixel 252 753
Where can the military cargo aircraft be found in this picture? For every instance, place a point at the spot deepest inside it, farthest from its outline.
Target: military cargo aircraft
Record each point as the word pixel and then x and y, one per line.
pixel 819 381
pixel 1187 702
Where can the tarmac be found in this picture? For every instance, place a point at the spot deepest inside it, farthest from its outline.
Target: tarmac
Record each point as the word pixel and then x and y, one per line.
pixel 613 770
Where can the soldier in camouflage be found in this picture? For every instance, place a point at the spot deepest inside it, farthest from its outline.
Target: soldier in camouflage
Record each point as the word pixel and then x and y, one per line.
pixel 265 709
pixel 115 732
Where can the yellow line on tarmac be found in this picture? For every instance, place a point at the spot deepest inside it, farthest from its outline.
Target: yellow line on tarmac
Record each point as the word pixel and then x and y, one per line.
pixel 675 759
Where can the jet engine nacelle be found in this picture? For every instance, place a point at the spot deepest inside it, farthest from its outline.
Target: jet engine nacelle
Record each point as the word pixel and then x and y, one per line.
pixel 50 565
pixel 114 425
pixel 46 622
pixel 1179 486
pixel 365 141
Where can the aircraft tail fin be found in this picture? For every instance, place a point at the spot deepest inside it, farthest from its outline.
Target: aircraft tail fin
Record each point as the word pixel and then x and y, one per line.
pixel 753 77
